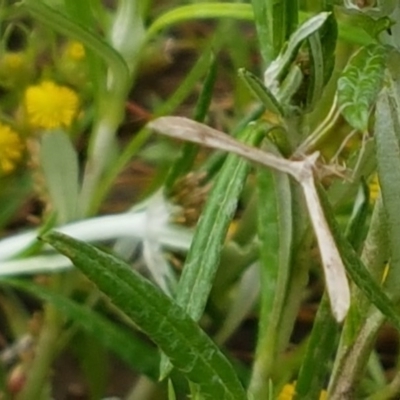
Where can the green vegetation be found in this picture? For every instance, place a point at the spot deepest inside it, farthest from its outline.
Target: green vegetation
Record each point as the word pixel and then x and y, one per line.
pixel 273 193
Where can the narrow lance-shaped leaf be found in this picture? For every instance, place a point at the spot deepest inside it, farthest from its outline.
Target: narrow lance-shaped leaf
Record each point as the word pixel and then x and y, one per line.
pixel 261 92
pixel 387 137
pixel 278 69
pixel 204 255
pixel 360 83
pixel 263 18
pixel 274 229
pixel 356 225
pixel 275 21
pixel 316 362
pixel 203 258
pixel 322 46
pixel 60 166
pixel 190 350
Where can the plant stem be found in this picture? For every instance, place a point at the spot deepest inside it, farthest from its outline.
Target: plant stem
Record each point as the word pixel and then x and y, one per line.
pixel 127 35
pixel 103 140
pixel 44 355
pixel 355 359
pixel 359 332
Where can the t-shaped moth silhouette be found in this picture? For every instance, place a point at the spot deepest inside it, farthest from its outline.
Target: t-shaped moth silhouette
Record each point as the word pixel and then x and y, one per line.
pixel 301 170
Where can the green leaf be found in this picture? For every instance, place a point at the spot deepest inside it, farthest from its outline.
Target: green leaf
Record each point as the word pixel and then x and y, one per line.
pixel 242 11
pixel 278 136
pixel 279 68
pixel 356 268
pixel 275 235
pixel 81 11
pixel 360 83
pixel 190 350
pixel 14 191
pixel 60 166
pixel 93 361
pixel 171 391
pixel 275 21
pixel 200 11
pixel 316 363
pixel 257 87
pixel 355 230
pixel 126 345
pixel 387 137
pixel 204 254
pixel 371 26
pixel 322 46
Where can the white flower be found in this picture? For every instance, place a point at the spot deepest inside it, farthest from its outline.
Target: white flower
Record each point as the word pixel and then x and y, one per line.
pixel 147 223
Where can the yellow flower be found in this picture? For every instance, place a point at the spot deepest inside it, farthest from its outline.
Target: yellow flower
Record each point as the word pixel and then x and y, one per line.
pixel 15 70
pixel 11 149
pixel 75 51
pixel 374 188
pixel 13 60
pixel 50 106
pixel 288 392
pixel 385 273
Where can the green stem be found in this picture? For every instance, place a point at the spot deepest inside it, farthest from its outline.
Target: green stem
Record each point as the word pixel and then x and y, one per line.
pixel 128 31
pixel 359 332
pixel 127 36
pixel 355 359
pixel 103 140
pixel 199 11
pixel 142 136
pixel 238 11
pixel 391 391
pixel 44 355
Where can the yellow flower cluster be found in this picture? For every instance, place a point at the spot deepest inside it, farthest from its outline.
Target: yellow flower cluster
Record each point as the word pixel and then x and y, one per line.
pixel 11 149
pixel 374 188
pixel 13 61
pixel 75 51
pixel 288 392
pixel 50 106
